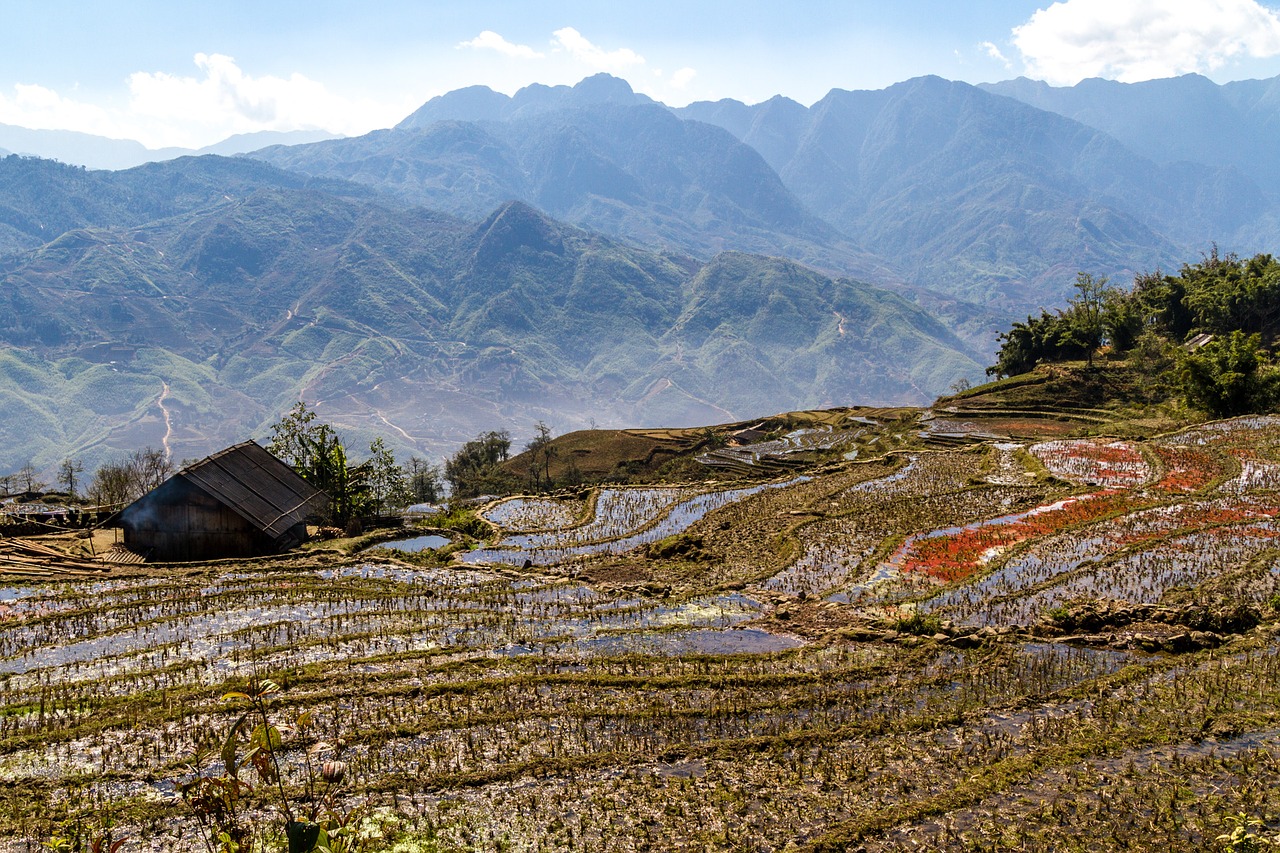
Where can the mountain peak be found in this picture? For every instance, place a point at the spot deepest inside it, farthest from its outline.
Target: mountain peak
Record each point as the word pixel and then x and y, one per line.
pixel 602 87
pixel 516 227
pixel 480 103
pixel 473 103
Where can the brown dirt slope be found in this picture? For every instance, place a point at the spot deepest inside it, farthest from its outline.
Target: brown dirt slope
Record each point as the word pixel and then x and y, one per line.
pixel 641 454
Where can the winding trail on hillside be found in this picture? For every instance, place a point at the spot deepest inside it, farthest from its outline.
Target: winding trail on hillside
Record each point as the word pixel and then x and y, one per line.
pixel 168 418
pixel 383 418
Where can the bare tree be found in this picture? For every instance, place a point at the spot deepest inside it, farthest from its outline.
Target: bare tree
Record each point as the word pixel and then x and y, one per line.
pixel 148 468
pixel 29 479
pixel 67 474
pixel 121 482
pixel 110 485
pixel 541 452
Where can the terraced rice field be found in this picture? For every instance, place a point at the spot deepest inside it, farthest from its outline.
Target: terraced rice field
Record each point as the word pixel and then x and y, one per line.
pixel 1062 645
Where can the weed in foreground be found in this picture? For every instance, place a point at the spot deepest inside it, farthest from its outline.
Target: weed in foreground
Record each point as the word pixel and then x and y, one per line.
pixel 223 804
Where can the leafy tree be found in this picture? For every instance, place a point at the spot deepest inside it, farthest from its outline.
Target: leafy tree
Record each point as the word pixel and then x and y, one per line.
pixel 1156 360
pixel 316 452
pixel 293 437
pixel 1218 295
pixel 347 485
pixel 1083 327
pixel 1122 319
pixel 1230 376
pixel 328 470
pixel 474 470
pixel 1043 338
pixel 1160 301
pixel 387 482
pixel 425 481
pixel 1224 293
pixel 1018 353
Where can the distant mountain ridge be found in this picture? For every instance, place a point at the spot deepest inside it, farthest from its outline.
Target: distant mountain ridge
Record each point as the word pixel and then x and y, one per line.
pixel 480 103
pixel 41 199
pixel 419 327
pixel 101 152
pixel 959 184
pixel 925 184
pixel 572 251
pixel 928 183
pixel 625 167
pixel 1188 118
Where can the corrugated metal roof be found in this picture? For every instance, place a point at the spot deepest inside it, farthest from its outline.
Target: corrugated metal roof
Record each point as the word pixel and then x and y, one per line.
pixel 257 486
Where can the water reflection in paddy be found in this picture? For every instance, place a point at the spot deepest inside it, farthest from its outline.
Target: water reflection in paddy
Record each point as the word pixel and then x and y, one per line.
pixel 289 619
pixel 414 544
pixel 551 547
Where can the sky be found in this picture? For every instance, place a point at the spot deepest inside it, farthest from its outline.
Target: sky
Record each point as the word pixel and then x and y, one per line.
pixel 177 73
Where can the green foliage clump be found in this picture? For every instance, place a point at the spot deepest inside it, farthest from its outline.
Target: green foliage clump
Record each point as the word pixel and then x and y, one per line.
pixel 461 519
pixel 1246 835
pixel 315 450
pixel 920 624
pixel 476 468
pixel 1205 334
pixel 1230 375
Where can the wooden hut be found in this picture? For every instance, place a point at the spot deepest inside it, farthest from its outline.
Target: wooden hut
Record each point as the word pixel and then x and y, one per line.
pixel 239 502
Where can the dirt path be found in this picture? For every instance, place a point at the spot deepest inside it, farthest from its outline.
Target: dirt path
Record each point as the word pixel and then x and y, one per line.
pixel 168 419
pixel 665 383
pixel 383 418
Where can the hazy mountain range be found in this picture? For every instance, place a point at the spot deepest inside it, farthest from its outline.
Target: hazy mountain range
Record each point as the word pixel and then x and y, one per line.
pixel 938 184
pixel 100 152
pixel 421 327
pixel 584 253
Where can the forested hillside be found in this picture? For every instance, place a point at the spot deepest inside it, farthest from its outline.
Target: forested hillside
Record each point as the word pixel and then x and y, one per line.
pixel 430 280
pixel 197 329
pixel 1206 336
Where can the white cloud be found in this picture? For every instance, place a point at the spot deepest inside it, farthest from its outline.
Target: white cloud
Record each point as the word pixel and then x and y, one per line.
pixel 40 108
pixel 489 40
pixel 172 110
pixel 1134 40
pixel 993 52
pixel 683 77
pixel 613 61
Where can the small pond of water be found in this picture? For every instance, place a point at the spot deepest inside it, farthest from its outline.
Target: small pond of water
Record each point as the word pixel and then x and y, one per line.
pixel 417 543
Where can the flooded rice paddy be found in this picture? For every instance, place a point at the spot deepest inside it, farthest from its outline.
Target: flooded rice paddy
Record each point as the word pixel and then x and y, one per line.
pixel 624 519
pixel 855 658
pixel 414 544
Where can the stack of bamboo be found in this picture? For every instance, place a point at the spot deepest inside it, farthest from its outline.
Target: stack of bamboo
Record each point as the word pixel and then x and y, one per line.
pixel 24 557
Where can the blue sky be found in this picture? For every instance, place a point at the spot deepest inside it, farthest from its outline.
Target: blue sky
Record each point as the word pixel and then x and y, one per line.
pixel 179 73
